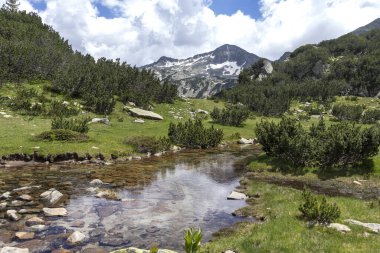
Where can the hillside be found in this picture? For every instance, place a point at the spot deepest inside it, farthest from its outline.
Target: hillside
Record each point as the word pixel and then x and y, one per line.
pixel 205 74
pixel 371 26
pixel 349 65
pixel 31 50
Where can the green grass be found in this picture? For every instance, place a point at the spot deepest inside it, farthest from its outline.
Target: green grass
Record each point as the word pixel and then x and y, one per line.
pixel 17 133
pixel 284 231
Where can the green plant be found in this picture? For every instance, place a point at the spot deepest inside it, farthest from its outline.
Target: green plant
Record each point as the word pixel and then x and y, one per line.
pixel 315 210
pixel 348 112
pixel 193 134
pixel 145 144
pixel 77 124
pixel 62 135
pixel 233 115
pixel 154 249
pixel 193 240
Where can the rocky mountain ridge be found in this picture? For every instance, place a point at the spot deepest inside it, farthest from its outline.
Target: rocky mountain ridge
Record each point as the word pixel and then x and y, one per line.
pixel 204 74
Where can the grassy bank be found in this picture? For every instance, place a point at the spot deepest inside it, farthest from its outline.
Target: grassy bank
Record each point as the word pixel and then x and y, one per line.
pixel 284 231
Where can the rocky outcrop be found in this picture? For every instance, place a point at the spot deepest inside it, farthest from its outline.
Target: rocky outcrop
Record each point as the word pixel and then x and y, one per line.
pixel 339 227
pixel 206 74
pixel 145 114
pixel 374 227
pixel 244 141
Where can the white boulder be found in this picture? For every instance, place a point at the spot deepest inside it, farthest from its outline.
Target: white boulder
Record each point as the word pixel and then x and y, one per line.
pixel 237 196
pixel 145 114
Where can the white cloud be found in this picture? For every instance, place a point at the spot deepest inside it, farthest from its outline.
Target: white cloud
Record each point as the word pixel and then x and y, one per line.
pixel 147 29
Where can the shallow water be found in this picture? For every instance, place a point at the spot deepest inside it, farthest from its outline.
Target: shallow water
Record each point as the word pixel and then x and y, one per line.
pixel 160 198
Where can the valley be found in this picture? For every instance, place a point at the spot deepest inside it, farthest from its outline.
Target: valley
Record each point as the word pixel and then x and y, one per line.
pixel 262 156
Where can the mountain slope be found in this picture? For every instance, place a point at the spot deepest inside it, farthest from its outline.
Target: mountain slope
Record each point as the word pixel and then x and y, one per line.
pixel 204 74
pixel 371 26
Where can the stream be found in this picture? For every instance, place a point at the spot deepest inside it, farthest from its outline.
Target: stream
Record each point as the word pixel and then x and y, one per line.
pixel 160 197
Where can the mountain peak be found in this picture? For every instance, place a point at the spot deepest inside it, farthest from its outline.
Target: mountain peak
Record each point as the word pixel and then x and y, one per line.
pixel 204 74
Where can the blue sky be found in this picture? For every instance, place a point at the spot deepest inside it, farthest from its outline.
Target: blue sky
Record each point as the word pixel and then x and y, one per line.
pixel 229 7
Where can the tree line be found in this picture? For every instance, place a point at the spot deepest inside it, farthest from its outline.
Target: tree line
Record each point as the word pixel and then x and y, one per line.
pixel 32 50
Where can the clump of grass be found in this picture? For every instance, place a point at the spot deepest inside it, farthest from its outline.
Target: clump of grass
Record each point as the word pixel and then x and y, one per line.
pixel 79 125
pixel 61 135
pixel 145 144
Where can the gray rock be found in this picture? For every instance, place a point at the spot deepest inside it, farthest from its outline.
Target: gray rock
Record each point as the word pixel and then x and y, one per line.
pixel 374 227
pixel 76 238
pixel 37 228
pixel 145 114
pixel 14 250
pixel 27 188
pixel 200 111
pixel 237 196
pixel 51 212
pixel 100 120
pixel 52 197
pixel 340 227
pixel 25 197
pixel 3 206
pixel 34 221
pixel 139 121
pixel 244 141
pixel 96 182
pixel 5 195
pixel 12 215
pixel 24 235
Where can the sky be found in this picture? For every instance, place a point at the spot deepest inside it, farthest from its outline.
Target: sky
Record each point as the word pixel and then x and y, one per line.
pixel 141 31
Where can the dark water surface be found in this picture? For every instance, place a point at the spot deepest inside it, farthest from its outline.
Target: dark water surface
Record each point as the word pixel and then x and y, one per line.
pixel 160 198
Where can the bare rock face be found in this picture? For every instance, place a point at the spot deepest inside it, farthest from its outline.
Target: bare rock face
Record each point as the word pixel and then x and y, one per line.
pixel 205 74
pixel 374 227
pixel 339 227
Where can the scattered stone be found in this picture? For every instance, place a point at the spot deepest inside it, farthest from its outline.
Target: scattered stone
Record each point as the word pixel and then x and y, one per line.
pixel 14 250
pixel 30 211
pixel 25 197
pixel 6 236
pixel 24 235
pixel 52 197
pixel 5 195
pixel 340 227
pixel 94 250
pixel 3 206
pixel 34 221
pixel 76 238
pixel 16 203
pixel 202 112
pixel 152 230
pixel 374 227
pixel 237 196
pixel 38 228
pixel 113 241
pixel 51 212
pixel 78 224
pixel 145 114
pixel 27 188
pixel 244 141
pixel 62 251
pixel 136 158
pixel 357 182
pixel 12 215
pixel 139 121
pixel 100 120
pixel 92 189
pixel 158 154
pixel 96 182
pixel 229 251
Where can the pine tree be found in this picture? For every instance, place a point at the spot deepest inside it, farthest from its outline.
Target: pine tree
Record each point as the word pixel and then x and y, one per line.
pixel 12 5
